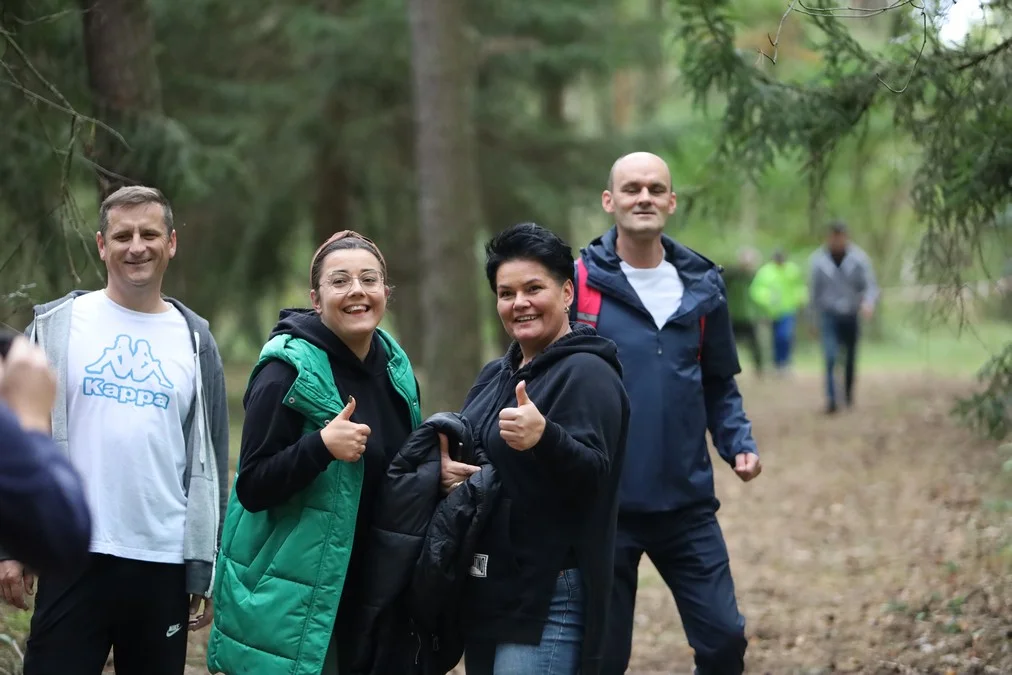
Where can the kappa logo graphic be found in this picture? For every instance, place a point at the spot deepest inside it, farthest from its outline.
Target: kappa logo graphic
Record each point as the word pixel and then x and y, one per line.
pixel 128 361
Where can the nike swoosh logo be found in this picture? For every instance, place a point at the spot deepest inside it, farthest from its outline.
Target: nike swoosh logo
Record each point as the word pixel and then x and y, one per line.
pixel 172 630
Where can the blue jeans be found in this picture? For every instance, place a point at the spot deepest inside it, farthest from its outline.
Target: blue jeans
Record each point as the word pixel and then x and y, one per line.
pixel 839 331
pixel 561 640
pixel 783 340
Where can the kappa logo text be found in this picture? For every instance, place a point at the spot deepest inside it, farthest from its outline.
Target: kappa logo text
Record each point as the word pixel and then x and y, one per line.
pixel 131 363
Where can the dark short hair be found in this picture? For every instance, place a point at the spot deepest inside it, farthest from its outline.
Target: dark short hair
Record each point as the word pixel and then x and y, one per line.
pixel 529 241
pixel 343 241
pixel 837 227
pixel 134 195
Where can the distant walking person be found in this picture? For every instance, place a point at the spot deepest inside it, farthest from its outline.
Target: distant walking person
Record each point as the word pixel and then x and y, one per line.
pixel 141 412
pixel 744 311
pixel 779 291
pixel 844 291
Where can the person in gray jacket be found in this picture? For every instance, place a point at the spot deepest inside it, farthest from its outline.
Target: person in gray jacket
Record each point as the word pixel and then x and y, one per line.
pixel 141 412
pixel 843 293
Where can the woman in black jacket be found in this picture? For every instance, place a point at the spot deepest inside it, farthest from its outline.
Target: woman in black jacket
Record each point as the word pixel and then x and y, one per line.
pixel 552 416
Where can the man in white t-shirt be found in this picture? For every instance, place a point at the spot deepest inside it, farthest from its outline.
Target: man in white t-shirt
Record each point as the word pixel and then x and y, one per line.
pixel 141 412
pixel 665 306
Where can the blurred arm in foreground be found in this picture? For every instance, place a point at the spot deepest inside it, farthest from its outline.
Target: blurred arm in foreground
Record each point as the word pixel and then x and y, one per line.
pixel 44 519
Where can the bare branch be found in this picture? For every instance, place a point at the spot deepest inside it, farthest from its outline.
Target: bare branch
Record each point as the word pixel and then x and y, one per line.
pixel 839 12
pixel 910 75
pixel 498 45
pixel 852 12
pixel 775 42
pixel 28 64
pixel 49 18
pixel 70 111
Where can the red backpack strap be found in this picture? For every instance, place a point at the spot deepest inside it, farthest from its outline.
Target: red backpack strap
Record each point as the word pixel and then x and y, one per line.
pixel 702 331
pixel 588 300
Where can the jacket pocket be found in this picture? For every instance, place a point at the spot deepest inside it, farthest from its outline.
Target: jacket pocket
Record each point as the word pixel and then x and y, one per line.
pixel 492 584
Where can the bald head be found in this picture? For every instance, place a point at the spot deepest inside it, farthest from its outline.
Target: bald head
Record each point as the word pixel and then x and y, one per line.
pixel 639 196
pixel 638 160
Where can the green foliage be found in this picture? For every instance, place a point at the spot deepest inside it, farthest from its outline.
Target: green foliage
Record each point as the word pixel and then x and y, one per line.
pixel 949 108
pixel 989 411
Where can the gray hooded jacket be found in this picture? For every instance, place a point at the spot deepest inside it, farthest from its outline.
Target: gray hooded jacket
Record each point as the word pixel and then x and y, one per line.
pixel 205 479
pixel 841 289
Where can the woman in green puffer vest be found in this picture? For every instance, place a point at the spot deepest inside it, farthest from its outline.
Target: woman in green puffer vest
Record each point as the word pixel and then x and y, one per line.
pixel 329 403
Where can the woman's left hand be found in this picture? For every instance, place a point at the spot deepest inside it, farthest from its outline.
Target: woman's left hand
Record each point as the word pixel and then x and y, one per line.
pixel 521 427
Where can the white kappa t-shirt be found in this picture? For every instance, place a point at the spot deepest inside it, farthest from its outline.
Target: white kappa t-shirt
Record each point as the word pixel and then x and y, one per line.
pixel 130 386
pixel 660 289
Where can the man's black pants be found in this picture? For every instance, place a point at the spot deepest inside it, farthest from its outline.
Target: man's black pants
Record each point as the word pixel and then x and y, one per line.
pixel 139 609
pixel 745 332
pixel 688 550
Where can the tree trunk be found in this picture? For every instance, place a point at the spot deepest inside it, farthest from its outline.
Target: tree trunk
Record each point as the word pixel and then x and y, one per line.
pixel 332 207
pixel 442 67
pixel 622 99
pixel 553 99
pixel 119 42
pixel 404 244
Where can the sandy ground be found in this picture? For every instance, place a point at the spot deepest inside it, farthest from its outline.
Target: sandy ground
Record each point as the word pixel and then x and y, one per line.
pixel 872 542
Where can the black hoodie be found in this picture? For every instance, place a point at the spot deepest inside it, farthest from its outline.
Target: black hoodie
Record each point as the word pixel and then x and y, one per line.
pixel 276 461
pixel 558 504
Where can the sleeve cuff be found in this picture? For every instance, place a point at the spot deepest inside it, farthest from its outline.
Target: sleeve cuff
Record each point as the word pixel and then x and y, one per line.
pixel 317 449
pixel 550 439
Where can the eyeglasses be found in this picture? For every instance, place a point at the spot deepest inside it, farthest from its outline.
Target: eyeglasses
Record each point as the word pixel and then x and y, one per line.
pixel 343 283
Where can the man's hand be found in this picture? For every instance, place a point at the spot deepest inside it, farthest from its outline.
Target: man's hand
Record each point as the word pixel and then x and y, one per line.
pixel 452 473
pixel 747 465
pixel 867 311
pixel 27 385
pixel 16 583
pixel 201 619
pixel 521 427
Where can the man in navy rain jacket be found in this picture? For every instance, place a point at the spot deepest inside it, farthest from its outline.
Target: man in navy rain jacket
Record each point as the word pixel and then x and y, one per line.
pixel 666 308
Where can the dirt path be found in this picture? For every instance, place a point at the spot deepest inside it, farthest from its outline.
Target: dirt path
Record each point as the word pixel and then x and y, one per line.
pixel 868 545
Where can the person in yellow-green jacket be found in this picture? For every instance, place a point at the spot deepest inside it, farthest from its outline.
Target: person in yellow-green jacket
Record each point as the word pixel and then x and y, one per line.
pixel 779 291
pixel 330 401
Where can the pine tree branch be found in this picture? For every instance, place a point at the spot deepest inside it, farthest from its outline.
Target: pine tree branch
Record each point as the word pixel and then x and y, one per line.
pixel 985 55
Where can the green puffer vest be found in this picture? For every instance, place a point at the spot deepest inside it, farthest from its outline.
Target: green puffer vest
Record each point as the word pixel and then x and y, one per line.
pixel 281 571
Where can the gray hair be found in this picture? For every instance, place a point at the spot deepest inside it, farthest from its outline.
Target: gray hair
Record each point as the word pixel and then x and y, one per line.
pixel 134 195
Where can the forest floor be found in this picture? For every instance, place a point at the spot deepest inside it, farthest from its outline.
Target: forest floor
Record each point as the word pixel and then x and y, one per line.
pixel 876 541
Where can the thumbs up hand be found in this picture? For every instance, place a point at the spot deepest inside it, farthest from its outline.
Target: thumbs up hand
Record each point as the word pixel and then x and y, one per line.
pixel 521 427
pixel 345 439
